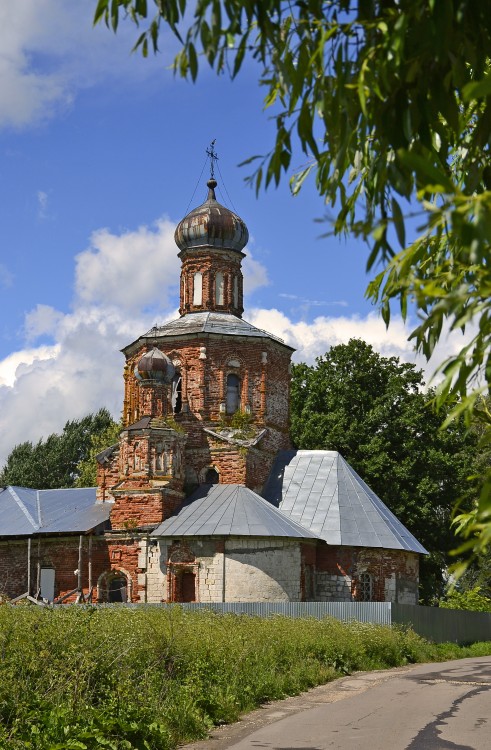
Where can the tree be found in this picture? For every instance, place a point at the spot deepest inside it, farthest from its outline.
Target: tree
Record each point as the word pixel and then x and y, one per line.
pixel 372 409
pixel 390 103
pixel 471 600
pixel 87 466
pixel 54 462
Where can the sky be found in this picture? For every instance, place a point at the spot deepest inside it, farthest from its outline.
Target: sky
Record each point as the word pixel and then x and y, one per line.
pixel 102 153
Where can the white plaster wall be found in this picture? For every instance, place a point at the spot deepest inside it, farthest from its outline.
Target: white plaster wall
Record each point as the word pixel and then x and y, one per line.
pixel 262 570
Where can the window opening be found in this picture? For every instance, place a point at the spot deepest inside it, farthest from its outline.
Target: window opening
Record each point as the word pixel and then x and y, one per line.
pixel 365 587
pixel 219 288
pixel 117 590
pixel 198 288
pixel 212 476
pixel 236 291
pixel 233 389
pixel 176 394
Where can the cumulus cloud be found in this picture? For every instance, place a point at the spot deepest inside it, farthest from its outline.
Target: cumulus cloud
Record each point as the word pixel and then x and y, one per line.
pixel 49 51
pixel 312 339
pixel 255 274
pixel 136 269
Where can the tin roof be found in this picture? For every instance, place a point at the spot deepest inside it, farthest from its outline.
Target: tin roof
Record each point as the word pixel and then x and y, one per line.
pixel 211 225
pixel 320 491
pixel 25 511
pixel 229 510
pixel 219 323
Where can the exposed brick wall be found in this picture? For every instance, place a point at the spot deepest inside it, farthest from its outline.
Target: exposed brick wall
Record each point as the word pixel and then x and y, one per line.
pixel 209 262
pixel 263 367
pixel 394 573
pixel 108 554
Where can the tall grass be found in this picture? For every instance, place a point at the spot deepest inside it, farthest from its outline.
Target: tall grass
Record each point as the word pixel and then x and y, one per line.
pixel 151 678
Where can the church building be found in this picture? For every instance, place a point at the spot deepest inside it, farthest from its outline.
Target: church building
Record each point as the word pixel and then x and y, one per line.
pixel 203 498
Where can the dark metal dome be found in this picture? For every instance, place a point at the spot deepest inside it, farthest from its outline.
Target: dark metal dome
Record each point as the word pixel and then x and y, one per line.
pixel 211 225
pixel 155 365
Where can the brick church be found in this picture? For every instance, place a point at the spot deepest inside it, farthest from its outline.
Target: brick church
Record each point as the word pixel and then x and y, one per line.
pixel 203 499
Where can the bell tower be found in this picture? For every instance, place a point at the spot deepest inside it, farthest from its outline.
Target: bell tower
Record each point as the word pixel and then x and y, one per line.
pixel 211 239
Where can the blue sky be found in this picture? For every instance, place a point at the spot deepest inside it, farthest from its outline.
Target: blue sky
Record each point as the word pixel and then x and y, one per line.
pixel 100 154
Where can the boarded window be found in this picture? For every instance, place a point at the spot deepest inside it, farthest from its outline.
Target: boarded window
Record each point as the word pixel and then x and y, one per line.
pixel 198 288
pixel 233 394
pixel 47 582
pixel 219 288
pixel 236 291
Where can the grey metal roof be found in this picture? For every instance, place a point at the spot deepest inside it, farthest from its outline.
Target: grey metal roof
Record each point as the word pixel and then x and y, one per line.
pixel 320 491
pixel 229 510
pixel 220 323
pixel 25 511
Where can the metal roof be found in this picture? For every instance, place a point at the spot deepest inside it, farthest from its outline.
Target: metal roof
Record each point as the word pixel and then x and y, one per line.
pixel 224 324
pixel 320 491
pixel 25 511
pixel 229 510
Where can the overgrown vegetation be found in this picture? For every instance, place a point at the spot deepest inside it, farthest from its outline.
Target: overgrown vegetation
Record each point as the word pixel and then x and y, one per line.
pixel 61 460
pixel 149 678
pixel 473 600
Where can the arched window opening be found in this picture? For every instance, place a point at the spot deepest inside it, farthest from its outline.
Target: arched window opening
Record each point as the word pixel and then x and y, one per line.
pixel 219 288
pixel 233 394
pixel 198 288
pixel 117 588
pixel 212 476
pixel 176 394
pixel 365 588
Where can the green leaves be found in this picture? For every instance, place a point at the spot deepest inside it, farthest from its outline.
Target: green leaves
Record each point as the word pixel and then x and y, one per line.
pixel 390 100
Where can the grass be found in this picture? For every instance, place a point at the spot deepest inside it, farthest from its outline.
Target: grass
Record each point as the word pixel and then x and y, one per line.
pixel 151 678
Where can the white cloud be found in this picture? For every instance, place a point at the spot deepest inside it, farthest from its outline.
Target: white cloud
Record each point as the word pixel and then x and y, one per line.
pixel 255 274
pixel 136 269
pixel 49 50
pixel 312 339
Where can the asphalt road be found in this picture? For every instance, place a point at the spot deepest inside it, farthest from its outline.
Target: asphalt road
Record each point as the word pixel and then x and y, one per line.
pixel 445 706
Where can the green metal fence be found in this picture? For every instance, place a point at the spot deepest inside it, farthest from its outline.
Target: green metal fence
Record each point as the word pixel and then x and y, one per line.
pixel 438 625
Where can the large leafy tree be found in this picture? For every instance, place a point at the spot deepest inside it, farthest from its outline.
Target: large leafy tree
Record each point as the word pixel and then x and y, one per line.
pixel 389 101
pixel 55 461
pixel 373 410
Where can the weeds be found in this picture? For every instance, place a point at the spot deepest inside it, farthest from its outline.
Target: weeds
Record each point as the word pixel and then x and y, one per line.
pixel 151 678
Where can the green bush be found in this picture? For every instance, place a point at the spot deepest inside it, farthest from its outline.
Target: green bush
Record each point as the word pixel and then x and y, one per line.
pixel 471 600
pixel 154 678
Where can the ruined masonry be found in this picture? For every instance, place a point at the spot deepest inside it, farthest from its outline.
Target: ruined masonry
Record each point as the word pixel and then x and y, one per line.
pixel 202 499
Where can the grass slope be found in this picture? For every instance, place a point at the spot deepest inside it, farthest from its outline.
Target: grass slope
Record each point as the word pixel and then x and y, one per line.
pixel 151 678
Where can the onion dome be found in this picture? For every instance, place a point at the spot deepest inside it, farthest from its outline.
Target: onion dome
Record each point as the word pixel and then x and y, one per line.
pixel 155 365
pixel 211 225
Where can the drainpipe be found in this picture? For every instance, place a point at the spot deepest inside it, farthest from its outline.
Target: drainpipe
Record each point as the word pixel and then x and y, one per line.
pixel 90 567
pixel 29 566
pixel 223 571
pixel 79 571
